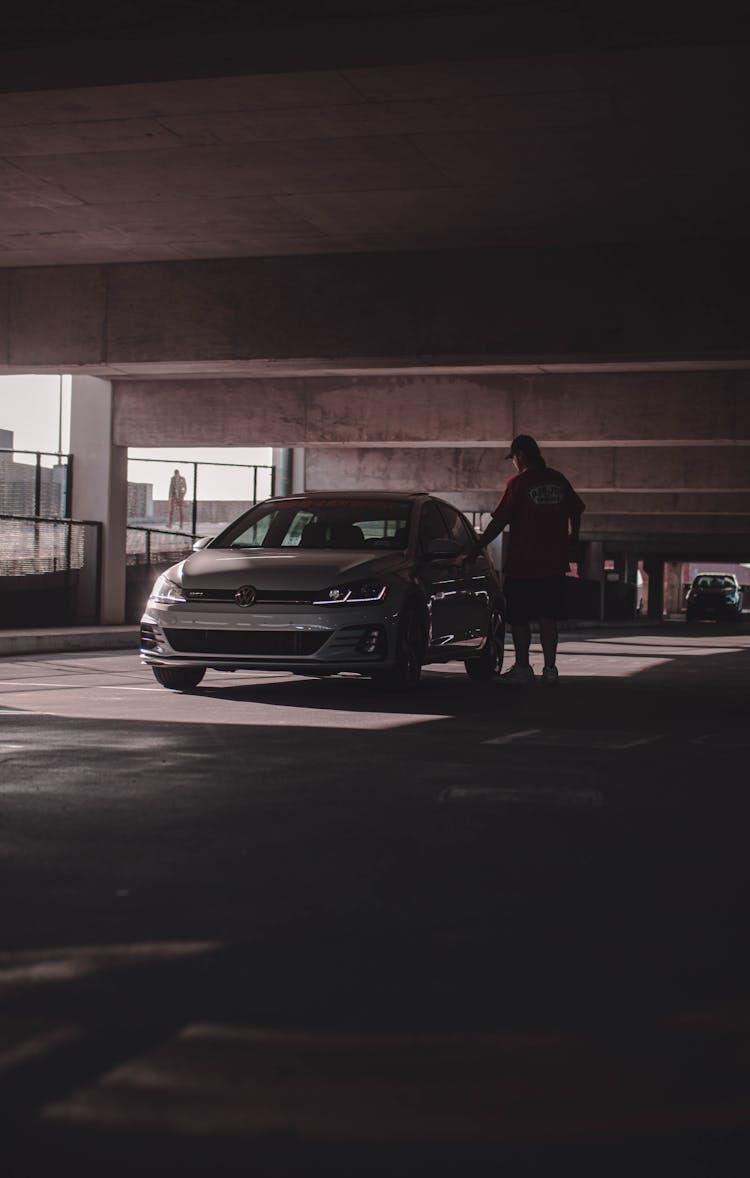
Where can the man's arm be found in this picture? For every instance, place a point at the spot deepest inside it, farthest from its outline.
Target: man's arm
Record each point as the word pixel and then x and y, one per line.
pixel 575 511
pixel 493 529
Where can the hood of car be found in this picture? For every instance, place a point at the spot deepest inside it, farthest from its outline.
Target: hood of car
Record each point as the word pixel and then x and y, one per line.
pixel 223 568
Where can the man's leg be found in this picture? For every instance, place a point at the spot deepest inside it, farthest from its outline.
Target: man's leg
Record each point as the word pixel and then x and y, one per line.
pixel 521 642
pixel 521 672
pixel 516 593
pixel 548 638
pixel 170 513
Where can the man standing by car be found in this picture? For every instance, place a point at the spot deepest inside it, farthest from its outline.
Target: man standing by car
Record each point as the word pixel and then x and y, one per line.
pixel 544 515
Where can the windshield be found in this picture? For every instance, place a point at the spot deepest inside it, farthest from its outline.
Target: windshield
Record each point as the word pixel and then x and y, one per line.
pixel 715 582
pixel 329 523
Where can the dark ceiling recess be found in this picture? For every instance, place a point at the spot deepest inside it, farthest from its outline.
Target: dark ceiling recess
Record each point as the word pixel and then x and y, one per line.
pixel 78 43
pixel 525 25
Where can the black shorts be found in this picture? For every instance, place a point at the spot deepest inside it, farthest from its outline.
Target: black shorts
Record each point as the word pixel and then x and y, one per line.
pixel 531 598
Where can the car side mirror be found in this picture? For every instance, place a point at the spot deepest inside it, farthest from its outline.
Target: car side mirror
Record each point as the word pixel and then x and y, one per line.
pixel 442 550
pixel 203 542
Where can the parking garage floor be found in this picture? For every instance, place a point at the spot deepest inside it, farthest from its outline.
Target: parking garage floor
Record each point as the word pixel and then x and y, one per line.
pixel 282 924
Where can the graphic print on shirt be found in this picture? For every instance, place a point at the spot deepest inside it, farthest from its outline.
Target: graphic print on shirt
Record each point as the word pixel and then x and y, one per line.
pixel 547 495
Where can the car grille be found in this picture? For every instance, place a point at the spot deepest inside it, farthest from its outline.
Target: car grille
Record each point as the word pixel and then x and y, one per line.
pixel 247 642
pixel 262 596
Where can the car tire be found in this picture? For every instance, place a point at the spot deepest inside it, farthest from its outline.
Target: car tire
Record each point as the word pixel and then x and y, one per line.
pixel 179 678
pixel 489 663
pixel 410 651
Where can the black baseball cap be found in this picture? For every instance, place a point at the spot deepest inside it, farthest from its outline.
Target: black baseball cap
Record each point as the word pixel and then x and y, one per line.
pixel 525 443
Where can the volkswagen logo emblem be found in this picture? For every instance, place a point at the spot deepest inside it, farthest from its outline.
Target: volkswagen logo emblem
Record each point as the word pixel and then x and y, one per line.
pixel 245 595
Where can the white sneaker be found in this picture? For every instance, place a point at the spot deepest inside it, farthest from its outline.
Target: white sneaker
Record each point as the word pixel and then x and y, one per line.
pixel 550 676
pixel 518 676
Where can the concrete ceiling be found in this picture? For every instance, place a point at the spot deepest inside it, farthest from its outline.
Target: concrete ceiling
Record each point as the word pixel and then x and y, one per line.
pixel 358 139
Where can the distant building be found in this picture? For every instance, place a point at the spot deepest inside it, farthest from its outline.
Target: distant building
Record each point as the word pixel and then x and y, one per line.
pixel 140 503
pixel 18 483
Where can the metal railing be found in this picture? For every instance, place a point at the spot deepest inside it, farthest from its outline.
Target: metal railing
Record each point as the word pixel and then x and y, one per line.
pixel 147 546
pixel 35 488
pixel 50 571
pixel 260 480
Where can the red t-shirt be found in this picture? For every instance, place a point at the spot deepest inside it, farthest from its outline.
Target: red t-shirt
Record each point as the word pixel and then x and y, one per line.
pixel 538 504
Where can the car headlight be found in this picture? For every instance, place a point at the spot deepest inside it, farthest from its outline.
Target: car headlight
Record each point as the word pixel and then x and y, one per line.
pixel 361 593
pixel 166 591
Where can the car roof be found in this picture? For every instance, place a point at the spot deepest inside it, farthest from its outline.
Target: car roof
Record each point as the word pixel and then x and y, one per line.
pixel 365 496
pixel 720 576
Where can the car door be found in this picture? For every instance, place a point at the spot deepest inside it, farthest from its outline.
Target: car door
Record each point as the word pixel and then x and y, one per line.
pixel 442 579
pixel 476 582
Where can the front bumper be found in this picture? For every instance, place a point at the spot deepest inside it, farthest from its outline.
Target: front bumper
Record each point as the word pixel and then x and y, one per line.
pixel 334 638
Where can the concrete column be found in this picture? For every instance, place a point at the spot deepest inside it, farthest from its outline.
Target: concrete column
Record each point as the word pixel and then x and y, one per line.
pixel 289 468
pixel 654 569
pixel 282 465
pixel 591 568
pixel 298 470
pixel 100 485
pixel 673 592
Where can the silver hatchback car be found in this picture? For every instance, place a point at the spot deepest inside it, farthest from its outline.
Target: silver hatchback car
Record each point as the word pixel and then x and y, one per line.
pixel 377 584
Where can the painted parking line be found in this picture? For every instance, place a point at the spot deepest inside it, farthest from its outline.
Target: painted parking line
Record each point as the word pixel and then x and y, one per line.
pixel 577 739
pixel 386 1088
pixel 549 797
pixel 511 736
pixel 22 712
pixel 32 968
pixel 21 1044
pixel 734 740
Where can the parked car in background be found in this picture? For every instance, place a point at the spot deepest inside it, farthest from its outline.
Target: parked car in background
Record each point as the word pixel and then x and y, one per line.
pixel 317 584
pixel 717 596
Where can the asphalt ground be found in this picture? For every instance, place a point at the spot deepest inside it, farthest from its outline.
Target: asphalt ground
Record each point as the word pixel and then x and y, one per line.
pixel 280 925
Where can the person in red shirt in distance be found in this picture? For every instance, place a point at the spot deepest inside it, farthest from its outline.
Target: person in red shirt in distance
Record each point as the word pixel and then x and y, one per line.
pixel 544 515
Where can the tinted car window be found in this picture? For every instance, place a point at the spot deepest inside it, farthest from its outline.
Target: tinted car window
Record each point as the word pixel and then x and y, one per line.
pixel 330 523
pixel 432 526
pixel 458 529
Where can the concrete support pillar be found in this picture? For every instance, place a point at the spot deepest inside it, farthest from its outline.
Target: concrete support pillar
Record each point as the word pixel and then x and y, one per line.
pixel 654 569
pixel 591 568
pixel 298 470
pixel 673 589
pixel 282 465
pixel 100 485
pixel 289 468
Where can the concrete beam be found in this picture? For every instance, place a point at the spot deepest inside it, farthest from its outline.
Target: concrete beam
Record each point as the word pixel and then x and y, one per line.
pixel 641 503
pixel 698 530
pixel 604 469
pixel 630 301
pixel 562 409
